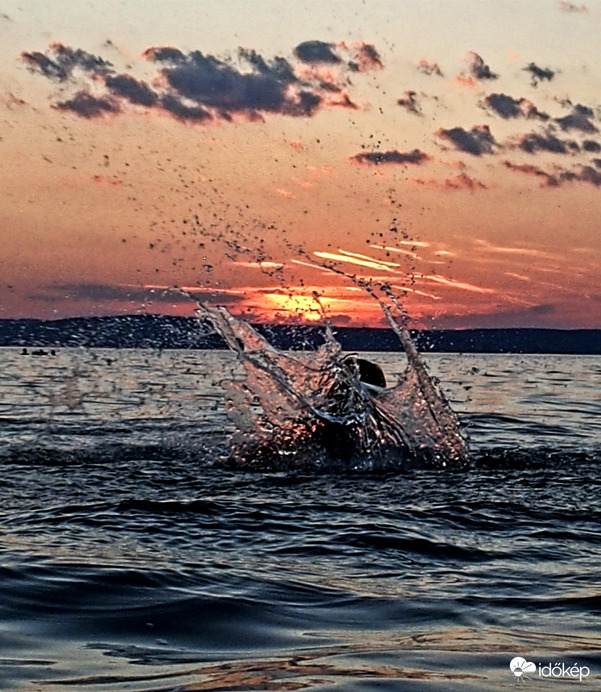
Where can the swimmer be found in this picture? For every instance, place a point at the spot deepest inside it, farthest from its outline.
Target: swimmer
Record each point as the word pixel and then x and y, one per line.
pixel 337 438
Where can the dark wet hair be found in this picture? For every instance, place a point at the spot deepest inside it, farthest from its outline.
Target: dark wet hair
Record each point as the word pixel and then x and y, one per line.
pixel 369 372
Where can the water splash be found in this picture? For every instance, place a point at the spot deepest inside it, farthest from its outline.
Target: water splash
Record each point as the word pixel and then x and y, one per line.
pixel 314 411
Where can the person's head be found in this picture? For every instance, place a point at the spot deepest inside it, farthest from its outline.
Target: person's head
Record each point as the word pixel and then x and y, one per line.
pixel 369 372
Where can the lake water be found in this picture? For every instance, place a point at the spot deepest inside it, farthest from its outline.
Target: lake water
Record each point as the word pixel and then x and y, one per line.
pixel 130 560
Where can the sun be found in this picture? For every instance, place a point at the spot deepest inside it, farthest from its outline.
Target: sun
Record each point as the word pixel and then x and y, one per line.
pixel 294 307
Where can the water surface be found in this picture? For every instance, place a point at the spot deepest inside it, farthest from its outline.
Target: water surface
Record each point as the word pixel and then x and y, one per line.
pixel 131 560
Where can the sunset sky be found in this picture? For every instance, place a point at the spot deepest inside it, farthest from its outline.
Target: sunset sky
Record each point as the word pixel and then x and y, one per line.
pixel 254 153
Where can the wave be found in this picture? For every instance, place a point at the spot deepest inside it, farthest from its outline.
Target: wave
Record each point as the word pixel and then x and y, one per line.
pixel 212 451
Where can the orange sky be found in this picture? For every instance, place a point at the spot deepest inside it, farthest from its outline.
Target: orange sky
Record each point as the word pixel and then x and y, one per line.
pixel 458 162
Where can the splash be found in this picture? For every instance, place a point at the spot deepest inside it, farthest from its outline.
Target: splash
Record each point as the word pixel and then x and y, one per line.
pixel 314 410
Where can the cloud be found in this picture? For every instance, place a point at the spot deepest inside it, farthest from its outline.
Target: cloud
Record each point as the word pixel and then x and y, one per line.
pixel 356 57
pixel 466 81
pixel 476 141
pixel 584 110
pixel 462 181
pixel 358 260
pixel 460 285
pixel 165 54
pixel 509 107
pixel 534 142
pixel 578 119
pixel 134 294
pixel 317 52
pixel 65 61
pixel 88 106
pixel 109 292
pixel 379 157
pixel 409 102
pixel 478 68
pixel 199 87
pixel 260 265
pixel 585 174
pixel 539 74
pixel 131 89
pixel 530 169
pixel 210 82
pixel 365 58
pixel 429 68
pixel 174 105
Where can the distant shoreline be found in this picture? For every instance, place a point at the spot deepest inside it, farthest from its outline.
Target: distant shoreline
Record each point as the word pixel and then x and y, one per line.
pixel 167 332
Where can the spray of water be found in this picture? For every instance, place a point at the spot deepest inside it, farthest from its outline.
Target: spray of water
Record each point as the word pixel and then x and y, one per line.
pixel 314 411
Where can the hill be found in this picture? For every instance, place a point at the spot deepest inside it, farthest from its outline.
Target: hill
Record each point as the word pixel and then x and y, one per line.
pixel 162 331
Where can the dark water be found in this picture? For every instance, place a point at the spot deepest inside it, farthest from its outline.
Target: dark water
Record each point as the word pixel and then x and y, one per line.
pixel 130 560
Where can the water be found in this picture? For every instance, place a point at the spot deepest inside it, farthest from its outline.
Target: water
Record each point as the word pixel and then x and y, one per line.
pixel 131 560
pixel 318 411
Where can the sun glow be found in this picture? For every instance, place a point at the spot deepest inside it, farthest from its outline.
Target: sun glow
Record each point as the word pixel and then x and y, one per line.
pixel 306 308
pixel 302 307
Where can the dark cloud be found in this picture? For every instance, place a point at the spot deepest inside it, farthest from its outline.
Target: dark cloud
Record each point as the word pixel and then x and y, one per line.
pixel 214 83
pixel 509 107
pixel 541 309
pixel 409 102
pixel 584 110
pixel 108 292
pixel 306 104
pixel 366 58
pixel 532 170
pixel 65 61
pixel 165 54
pixel 534 142
pixel 132 90
pixel 380 157
pixel 198 87
pixel 476 141
pixel 578 119
pixel 462 181
pixel 330 86
pixel 478 68
pixel 586 174
pixel 278 66
pixel 133 294
pixel 580 108
pixel 505 106
pixel 317 52
pixel 88 106
pixel 539 74
pixel 174 105
pixel 211 83
pixel 429 68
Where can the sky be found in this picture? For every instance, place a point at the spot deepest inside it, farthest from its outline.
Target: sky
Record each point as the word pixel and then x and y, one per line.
pixel 256 155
